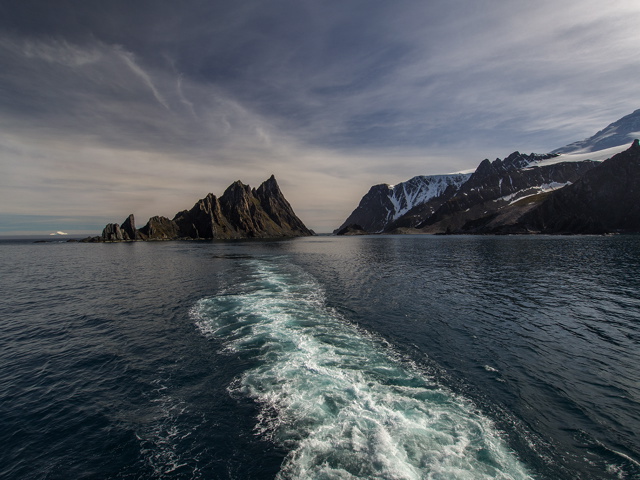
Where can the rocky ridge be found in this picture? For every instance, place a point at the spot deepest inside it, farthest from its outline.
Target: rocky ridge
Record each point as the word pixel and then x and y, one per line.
pixel 497 185
pixel 606 199
pixel 457 201
pixel 521 193
pixel 385 204
pixel 241 212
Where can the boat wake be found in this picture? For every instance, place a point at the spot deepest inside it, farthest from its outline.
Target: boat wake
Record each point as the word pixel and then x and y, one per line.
pixel 338 399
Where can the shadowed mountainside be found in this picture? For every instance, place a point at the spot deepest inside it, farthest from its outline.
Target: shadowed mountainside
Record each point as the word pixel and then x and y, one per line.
pixel 241 212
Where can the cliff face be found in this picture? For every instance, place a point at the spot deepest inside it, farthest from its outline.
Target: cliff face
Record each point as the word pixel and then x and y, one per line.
pixel 204 220
pixel 382 207
pixel 159 228
pixel 241 212
pixel 114 232
pixel 465 203
pixel 278 209
pixel 605 200
pixel 496 186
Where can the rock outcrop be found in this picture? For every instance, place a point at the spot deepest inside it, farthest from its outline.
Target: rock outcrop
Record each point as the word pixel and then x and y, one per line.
pixel 241 212
pixel 497 185
pixel 128 228
pixel 519 194
pixel 605 200
pixel 278 210
pixel 159 228
pixel 383 205
pixel 353 229
pixel 112 233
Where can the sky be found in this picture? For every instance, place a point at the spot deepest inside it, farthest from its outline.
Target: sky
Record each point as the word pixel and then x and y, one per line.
pixel 115 107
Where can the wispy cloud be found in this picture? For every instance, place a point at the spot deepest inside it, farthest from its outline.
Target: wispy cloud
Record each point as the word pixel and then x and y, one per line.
pixel 129 60
pixel 331 98
pixel 183 98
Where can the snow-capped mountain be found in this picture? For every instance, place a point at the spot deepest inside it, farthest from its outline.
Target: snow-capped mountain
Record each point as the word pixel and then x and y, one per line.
pixel 428 201
pixel 495 196
pixel 620 132
pixel 496 185
pixel 384 203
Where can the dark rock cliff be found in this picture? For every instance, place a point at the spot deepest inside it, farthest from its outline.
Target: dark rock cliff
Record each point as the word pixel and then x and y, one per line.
pixel 159 228
pixel 128 228
pixel 380 209
pixel 117 233
pixel 278 210
pixel 605 200
pixel 241 212
pixel 496 185
pixel 204 220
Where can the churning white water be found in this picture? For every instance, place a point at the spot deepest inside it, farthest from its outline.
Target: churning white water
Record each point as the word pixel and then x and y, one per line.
pixel 338 399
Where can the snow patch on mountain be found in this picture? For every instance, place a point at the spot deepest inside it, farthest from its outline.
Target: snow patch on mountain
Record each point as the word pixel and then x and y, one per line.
pixel 406 195
pixel 582 155
pixel 620 132
pixel 385 203
pixel 532 191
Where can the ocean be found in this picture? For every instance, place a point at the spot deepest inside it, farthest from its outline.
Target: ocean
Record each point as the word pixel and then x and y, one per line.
pixel 374 357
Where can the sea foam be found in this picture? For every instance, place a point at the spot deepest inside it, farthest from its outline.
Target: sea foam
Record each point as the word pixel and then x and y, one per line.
pixel 339 400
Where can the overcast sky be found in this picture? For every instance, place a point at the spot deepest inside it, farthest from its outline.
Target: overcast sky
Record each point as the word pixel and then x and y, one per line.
pixel 116 107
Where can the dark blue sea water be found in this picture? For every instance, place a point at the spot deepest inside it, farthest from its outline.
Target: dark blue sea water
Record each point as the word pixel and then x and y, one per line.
pixel 409 357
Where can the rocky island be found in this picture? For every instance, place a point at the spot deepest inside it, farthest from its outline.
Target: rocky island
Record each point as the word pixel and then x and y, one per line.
pixel 241 212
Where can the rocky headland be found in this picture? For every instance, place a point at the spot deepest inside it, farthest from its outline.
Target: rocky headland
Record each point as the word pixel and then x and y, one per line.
pixel 241 212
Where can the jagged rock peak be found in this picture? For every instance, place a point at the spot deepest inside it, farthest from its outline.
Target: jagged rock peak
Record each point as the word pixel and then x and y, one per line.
pixel 128 228
pixel 269 185
pixel 514 161
pixel 278 209
pixel 236 194
pixel 114 232
pixel 605 200
pixel 159 228
pixel 241 212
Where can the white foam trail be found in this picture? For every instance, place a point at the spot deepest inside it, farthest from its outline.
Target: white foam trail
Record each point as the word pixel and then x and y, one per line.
pixel 337 399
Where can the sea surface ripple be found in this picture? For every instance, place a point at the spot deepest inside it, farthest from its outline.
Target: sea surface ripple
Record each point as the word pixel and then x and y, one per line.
pixel 385 357
pixel 336 398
